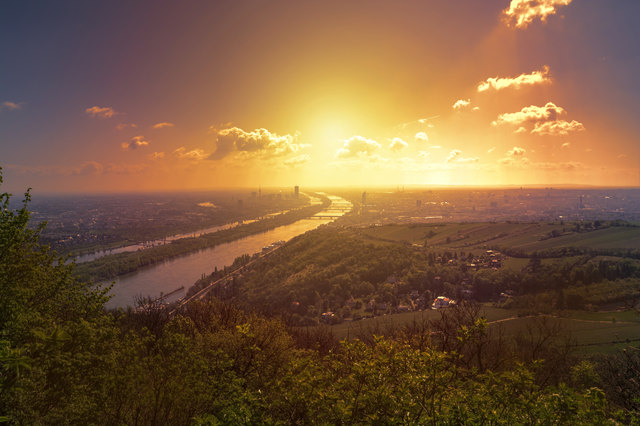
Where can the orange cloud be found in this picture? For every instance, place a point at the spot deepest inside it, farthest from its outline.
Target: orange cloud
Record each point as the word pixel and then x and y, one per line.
pixel 421 137
pixel 135 143
pixel 100 112
pixel 515 155
pixel 194 155
pixel 557 128
pixel 122 126
pixel 521 13
pixel 163 125
pixel 461 104
pixel 455 156
pixel 297 161
pixel 356 145
pixel 531 113
pixel 397 144
pixel 259 141
pixel 499 83
pixel 11 106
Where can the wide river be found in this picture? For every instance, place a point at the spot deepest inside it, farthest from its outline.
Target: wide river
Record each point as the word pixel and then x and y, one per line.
pixel 184 271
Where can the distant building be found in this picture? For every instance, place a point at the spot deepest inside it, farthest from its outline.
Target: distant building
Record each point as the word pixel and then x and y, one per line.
pixel 296 191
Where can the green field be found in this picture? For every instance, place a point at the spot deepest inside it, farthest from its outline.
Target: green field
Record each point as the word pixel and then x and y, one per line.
pixel 592 332
pixel 590 336
pixel 526 236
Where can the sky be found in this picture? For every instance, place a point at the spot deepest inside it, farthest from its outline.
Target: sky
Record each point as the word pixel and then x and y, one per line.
pixel 163 95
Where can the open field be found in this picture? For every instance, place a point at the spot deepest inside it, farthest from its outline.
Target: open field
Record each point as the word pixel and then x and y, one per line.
pixel 525 236
pixel 592 332
pixel 590 336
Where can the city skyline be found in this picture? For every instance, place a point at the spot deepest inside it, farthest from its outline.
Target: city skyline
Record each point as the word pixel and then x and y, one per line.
pixel 161 96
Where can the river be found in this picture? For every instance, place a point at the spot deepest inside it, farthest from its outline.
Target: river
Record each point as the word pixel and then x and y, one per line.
pixel 184 271
pixel 87 257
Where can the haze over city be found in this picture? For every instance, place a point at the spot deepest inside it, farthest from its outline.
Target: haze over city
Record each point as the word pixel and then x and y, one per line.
pixel 131 96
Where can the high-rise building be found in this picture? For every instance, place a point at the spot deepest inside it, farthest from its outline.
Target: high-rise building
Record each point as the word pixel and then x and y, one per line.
pixel 296 191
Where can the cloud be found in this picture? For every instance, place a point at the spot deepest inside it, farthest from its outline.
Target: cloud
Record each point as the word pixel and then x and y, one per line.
pixel 455 156
pixel 516 151
pixel 357 145
pixel 499 83
pixel 297 161
pixel 520 129
pixel 259 141
pixel 11 106
pixel 557 128
pixel 531 113
pixel 194 155
pixel 461 104
pixel 565 145
pixel 163 125
pixel 490 150
pixel 100 112
pixel 122 126
pixel 135 143
pixel 157 155
pixel 398 144
pixel 421 137
pixel 521 13
pixel 515 155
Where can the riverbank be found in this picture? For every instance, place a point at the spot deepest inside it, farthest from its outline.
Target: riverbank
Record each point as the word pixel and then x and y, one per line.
pixel 112 266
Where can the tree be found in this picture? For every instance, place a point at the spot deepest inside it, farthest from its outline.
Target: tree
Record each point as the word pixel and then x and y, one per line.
pixel 53 328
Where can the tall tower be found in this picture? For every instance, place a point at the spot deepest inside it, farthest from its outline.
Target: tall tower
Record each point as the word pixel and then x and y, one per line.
pixel 296 191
